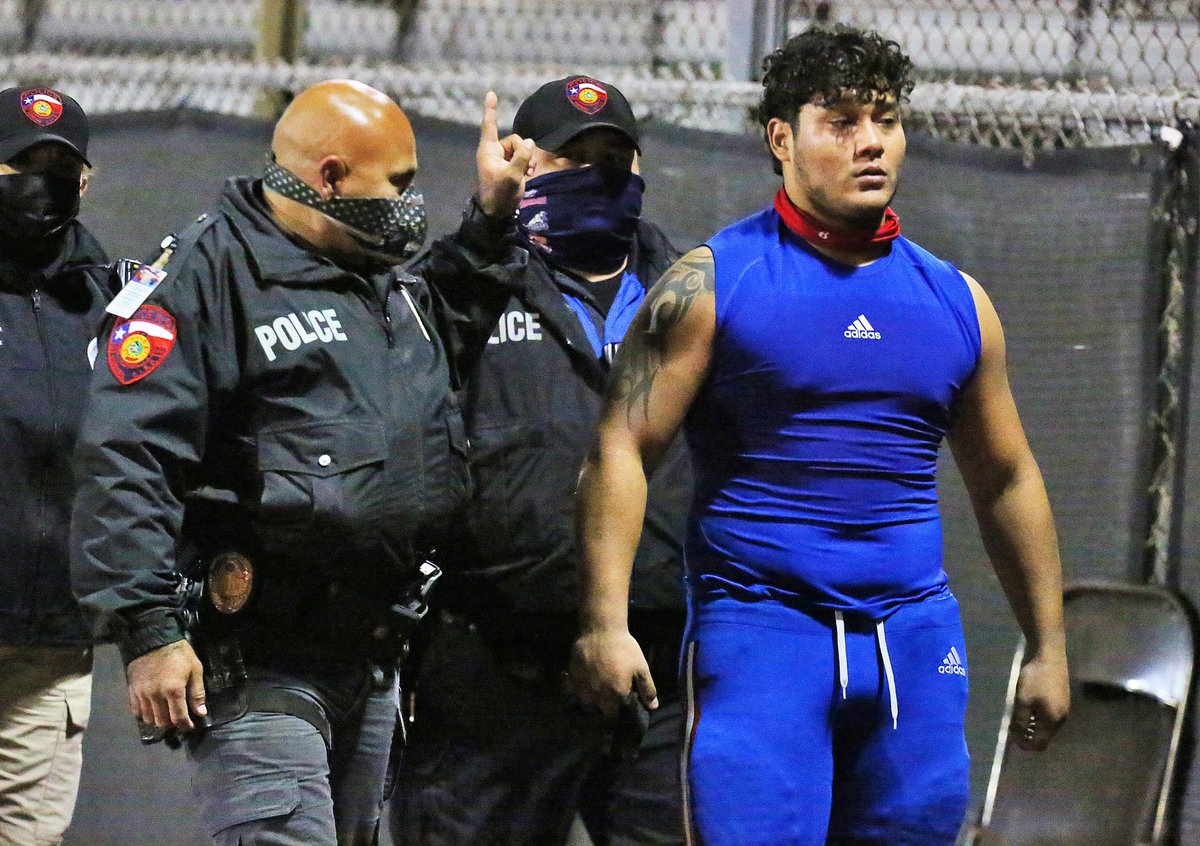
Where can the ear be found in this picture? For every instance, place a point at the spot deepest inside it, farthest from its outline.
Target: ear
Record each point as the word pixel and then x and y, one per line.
pixel 781 138
pixel 83 183
pixel 331 170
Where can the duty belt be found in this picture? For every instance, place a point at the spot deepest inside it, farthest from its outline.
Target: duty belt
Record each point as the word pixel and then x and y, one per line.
pixel 211 610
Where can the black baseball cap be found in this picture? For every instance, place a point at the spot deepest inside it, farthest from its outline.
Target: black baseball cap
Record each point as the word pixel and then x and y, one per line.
pixel 560 110
pixel 31 114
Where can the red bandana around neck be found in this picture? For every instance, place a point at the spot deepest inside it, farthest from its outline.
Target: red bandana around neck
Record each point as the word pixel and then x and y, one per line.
pixel 816 232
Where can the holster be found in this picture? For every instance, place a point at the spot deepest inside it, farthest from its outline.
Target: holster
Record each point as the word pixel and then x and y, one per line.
pixel 216 643
pixel 349 620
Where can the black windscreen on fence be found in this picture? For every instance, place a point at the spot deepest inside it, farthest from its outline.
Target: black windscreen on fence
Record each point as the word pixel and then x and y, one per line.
pixel 1061 248
pixel 1061 245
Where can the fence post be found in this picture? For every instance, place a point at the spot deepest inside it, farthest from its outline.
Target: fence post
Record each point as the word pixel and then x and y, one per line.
pixel 281 25
pixel 755 27
pixel 1175 264
pixel 31 17
pixel 1081 33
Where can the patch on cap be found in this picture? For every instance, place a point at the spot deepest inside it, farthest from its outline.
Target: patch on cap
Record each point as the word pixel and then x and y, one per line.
pixel 587 95
pixel 43 106
pixel 140 344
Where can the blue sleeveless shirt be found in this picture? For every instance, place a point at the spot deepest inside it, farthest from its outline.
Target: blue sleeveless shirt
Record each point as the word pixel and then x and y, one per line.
pixel 815 437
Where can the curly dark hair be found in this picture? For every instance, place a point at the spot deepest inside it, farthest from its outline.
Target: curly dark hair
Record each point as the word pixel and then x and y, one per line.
pixel 825 64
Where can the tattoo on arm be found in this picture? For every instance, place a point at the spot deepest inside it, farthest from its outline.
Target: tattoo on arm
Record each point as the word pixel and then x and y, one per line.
pixel 645 345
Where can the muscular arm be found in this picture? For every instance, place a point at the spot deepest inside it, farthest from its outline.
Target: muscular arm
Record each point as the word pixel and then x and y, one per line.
pixel 657 374
pixel 1013 512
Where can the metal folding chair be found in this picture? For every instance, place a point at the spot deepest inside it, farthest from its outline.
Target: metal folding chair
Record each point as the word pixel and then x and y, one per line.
pixel 1107 778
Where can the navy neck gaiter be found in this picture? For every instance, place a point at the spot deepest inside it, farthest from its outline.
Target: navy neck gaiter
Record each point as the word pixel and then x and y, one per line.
pixel 582 219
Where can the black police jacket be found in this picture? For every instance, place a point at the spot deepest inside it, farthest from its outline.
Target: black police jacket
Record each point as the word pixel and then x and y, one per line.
pixel 531 407
pixel 276 404
pixel 49 316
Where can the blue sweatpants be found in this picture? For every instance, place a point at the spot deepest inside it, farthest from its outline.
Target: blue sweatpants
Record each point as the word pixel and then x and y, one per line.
pixel 778 757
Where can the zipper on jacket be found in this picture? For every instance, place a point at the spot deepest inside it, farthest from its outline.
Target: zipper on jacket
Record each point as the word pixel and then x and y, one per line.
pixel 42 495
pixel 387 321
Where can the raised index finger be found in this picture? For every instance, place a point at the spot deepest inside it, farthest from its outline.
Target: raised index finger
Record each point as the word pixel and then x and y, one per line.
pixel 487 130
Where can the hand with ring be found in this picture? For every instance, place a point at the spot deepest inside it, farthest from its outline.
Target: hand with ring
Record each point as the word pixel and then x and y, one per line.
pixel 1025 730
pixel 1042 702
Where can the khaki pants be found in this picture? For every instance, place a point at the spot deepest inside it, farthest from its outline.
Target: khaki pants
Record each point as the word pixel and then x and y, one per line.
pixel 45 700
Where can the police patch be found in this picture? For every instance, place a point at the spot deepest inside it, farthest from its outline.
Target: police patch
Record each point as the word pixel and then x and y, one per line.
pixel 140 344
pixel 587 94
pixel 43 106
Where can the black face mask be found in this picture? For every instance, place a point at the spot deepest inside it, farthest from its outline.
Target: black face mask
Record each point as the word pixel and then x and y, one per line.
pixel 35 207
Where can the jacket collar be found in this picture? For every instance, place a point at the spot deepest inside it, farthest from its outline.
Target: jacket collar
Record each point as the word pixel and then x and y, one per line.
pixel 79 249
pixel 650 253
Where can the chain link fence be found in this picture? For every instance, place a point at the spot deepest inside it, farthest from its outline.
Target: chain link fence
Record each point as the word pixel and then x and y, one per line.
pixel 1029 74
pixel 1035 74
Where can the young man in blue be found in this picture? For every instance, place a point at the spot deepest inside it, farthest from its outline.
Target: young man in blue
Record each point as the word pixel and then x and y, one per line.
pixel 815 360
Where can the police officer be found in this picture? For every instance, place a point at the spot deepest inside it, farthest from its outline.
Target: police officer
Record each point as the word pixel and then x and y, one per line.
pixel 272 409
pixel 52 296
pixel 499 752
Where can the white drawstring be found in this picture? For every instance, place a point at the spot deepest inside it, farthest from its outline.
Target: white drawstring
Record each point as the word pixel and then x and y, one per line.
pixel 839 623
pixel 887 670
pixel 416 314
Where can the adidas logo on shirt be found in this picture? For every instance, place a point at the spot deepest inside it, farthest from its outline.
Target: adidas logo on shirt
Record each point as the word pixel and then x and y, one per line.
pixel 862 328
pixel 952 665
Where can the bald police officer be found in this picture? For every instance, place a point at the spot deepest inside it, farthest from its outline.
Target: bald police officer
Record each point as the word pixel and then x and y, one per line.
pixel 273 412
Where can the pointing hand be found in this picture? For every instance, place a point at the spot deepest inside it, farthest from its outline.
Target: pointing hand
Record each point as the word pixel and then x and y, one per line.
pixel 502 164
